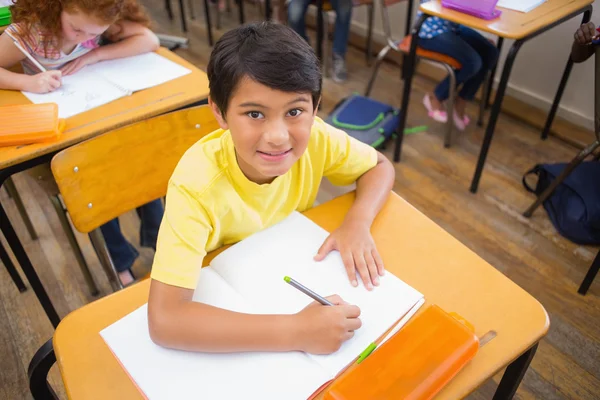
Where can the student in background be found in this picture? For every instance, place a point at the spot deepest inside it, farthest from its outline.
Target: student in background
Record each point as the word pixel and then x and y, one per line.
pixel 582 46
pixel 474 52
pixel 265 162
pixel 343 17
pixel 65 36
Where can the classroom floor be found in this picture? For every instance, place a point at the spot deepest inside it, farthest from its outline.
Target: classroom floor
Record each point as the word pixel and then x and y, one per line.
pixel 435 180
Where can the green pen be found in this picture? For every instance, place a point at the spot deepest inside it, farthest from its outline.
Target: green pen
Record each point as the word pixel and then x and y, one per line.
pixel 308 292
pixel 366 352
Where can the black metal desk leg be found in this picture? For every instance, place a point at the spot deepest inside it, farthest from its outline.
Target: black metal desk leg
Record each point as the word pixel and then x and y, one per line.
pixel 561 87
pixel 408 71
pixel 493 73
pixel 32 277
pixel 12 271
pixel 489 133
pixel 514 375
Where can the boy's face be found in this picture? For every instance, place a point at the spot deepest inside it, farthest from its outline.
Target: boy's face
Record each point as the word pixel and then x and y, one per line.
pixel 270 128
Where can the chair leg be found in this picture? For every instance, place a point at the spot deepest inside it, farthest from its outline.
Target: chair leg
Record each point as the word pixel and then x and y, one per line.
pixel 559 179
pixel 38 369
pixel 484 95
pixel 64 221
pixel 378 62
pixel 450 106
pixel 208 24
pixel 241 11
pixel 12 190
pixel 369 46
pixel 191 7
pixel 591 274
pixel 169 9
pixel 12 271
pixel 102 251
pixel 326 54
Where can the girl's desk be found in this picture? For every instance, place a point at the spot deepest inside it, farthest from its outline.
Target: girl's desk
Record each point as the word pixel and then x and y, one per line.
pixel 520 27
pixel 413 248
pixel 182 92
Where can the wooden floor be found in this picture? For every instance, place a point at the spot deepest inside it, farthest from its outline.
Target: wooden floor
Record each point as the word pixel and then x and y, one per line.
pixel 433 179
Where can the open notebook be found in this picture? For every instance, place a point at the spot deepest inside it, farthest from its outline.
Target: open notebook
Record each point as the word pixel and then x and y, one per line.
pixel 106 81
pixel 520 5
pixel 248 277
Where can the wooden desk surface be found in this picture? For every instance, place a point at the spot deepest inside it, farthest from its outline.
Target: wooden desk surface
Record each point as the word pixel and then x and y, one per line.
pixel 413 248
pixel 144 104
pixel 511 24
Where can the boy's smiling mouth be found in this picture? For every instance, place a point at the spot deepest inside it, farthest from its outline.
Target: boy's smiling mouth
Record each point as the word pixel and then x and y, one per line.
pixel 274 155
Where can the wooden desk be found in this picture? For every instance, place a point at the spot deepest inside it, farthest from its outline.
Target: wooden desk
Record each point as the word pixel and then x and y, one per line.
pixel 512 25
pixel 412 247
pixel 187 90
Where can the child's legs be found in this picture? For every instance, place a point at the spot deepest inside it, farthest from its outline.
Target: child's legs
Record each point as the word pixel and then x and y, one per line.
pixel 296 16
pixel 150 215
pixel 452 45
pixel 343 17
pixel 122 253
pixel 488 54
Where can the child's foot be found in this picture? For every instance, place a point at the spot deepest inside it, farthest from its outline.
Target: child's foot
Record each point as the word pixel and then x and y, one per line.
pixel 460 123
pixel 339 73
pixel 433 110
pixel 126 277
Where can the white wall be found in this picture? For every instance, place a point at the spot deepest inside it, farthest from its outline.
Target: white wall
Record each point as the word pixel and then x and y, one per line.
pixel 537 69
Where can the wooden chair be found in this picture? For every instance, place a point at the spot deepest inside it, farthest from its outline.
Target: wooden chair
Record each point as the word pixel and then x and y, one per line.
pixel 119 171
pixel 403 46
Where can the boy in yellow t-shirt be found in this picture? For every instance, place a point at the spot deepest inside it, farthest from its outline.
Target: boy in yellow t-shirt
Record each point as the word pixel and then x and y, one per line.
pixel 266 161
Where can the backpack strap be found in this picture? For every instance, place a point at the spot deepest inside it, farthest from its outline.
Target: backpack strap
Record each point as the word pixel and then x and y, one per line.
pixel 533 171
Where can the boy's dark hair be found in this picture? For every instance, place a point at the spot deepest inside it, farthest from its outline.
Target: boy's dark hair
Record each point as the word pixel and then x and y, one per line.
pixel 270 54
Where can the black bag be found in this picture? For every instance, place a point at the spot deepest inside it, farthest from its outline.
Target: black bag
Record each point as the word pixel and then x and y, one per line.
pixel 574 207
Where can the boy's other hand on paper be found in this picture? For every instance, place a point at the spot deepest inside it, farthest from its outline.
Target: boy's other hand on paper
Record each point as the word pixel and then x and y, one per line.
pixel 356 246
pixel 44 82
pixel 586 33
pixel 323 329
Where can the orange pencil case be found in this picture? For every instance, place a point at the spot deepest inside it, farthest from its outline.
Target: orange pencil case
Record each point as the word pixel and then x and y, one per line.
pixel 415 364
pixel 29 123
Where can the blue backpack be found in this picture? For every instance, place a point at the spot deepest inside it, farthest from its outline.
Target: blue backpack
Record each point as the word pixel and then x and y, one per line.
pixel 574 207
pixel 365 119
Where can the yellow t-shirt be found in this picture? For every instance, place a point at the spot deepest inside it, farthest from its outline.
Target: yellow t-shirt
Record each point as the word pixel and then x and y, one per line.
pixel 211 203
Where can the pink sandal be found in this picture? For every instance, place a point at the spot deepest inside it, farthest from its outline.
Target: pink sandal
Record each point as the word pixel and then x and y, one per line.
pixel 436 115
pixel 460 123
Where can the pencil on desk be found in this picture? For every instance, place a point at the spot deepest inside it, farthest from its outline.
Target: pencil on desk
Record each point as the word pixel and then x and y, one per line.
pixel 26 53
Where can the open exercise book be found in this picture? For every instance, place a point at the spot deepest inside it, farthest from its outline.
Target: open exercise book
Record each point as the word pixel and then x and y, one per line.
pixel 248 277
pixel 106 81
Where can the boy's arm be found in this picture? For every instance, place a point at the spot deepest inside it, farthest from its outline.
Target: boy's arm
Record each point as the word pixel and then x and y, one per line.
pixel 175 321
pixel 353 238
pixel 372 190
pixel 129 39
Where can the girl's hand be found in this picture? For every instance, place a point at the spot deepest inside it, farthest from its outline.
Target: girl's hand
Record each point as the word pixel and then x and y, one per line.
pixel 78 63
pixel 44 82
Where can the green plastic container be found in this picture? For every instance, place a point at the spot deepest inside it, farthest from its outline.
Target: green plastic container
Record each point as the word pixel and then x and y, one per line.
pixel 4 16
